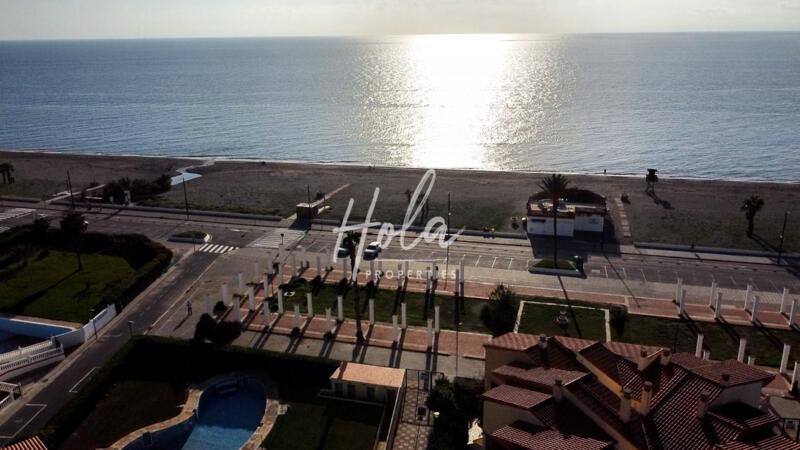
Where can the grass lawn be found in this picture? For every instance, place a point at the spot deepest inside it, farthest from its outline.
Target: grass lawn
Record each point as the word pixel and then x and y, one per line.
pixel 51 287
pixel 387 303
pixel 128 409
pixel 722 340
pixel 325 424
pixel 583 323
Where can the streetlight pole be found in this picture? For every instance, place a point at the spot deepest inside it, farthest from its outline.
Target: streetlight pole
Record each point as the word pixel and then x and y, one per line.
pixel 69 187
pixel 185 198
pixel 783 234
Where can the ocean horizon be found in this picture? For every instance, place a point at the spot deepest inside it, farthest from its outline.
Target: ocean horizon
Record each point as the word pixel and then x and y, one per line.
pixel 693 105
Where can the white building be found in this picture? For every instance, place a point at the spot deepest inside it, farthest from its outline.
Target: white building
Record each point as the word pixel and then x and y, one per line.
pixel 579 210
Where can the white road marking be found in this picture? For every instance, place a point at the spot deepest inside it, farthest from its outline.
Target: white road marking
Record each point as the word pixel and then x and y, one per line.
pixel 643 276
pixel 494 261
pixel 27 422
pixel 510 260
pixel 74 389
pixel 624 274
pixel 477 260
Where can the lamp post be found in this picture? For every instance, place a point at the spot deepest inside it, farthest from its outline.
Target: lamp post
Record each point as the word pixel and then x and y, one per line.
pixel 783 234
pixel 130 327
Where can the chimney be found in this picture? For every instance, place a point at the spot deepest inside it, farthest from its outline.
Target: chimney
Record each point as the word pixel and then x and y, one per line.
pixel 702 405
pixel 647 395
pixel 543 341
pixel 558 390
pixel 666 354
pixel 643 362
pixel 726 376
pixel 625 406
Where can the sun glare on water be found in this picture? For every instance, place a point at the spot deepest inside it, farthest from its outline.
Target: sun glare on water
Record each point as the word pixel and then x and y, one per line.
pixel 459 84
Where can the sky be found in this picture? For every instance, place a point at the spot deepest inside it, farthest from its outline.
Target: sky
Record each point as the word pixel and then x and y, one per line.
pixel 82 19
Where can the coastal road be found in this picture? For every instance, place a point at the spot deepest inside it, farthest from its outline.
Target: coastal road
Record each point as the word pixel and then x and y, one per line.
pixel 514 255
pixel 623 267
pixel 43 400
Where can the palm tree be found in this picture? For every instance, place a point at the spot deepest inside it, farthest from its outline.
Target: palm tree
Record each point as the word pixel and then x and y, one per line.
pixel 555 186
pixel 73 225
pixel 751 206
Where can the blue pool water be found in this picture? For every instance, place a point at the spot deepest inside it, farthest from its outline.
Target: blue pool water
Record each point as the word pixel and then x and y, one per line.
pixel 225 422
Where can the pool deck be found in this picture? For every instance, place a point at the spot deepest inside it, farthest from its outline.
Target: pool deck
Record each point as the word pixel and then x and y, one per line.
pixel 193 401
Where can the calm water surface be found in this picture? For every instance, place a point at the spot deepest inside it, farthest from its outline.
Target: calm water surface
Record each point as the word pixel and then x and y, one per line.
pixel 698 105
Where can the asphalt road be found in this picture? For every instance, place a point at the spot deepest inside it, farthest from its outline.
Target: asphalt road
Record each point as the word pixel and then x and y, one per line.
pixel 66 382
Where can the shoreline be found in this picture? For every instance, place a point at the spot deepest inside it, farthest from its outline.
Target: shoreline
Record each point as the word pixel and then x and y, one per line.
pixel 329 164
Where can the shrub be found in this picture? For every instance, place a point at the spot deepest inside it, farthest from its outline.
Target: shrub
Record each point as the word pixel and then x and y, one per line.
pixel 499 314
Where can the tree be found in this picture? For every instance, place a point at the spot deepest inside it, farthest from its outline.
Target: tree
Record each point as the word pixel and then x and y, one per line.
pixel 5 171
pixel 499 314
pixel 73 225
pixel 751 206
pixel 555 186
pixel 41 226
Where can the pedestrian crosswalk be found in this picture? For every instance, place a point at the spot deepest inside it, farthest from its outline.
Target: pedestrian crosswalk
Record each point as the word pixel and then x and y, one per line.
pixel 13 213
pixel 274 238
pixel 217 248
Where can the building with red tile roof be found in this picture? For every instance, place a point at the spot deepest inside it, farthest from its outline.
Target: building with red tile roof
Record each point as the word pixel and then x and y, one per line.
pixel 572 393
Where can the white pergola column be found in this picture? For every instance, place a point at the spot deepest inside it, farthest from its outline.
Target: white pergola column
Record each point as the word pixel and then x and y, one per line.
pixel 235 310
pixel 706 355
pixel 751 360
pixel 372 270
pixel 339 310
pixel 294 264
pixel 436 318
pixel 698 348
pixel 266 287
pixel 256 272
pixel 399 277
pixel 457 283
pixel 280 301
pixel 403 323
pixel 296 318
pixel 344 268
pixel 225 294
pixel 754 309
pixel 718 306
pixel 372 311
pixel 429 333
pixel 678 290
pixel 380 269
pixel 310 305
pixel 742 349
pixel 209 306
pixel 682 303
pixel 328 320
pixel 303 258
pixel 747 295
pixel 795 375
pixel 791 311
pixel 784 297
pixel 241 284
pixel 713 296
pixel 251 298
pixel 405 269
pixel 319 266
pixel 785 358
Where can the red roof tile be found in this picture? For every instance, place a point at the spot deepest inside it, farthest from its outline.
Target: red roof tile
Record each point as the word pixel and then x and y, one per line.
pixel 521 435
pixel 776 442
pixel 539 377
pixel 740 373
pixel 513 341
pixel 572 343
pixel 514 396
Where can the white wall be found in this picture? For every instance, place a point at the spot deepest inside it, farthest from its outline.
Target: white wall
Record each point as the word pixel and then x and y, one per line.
pixel 497 357
pixel 589 222
pixel 99 321
pixel 746 393
pixel 544 226
pixel 496 416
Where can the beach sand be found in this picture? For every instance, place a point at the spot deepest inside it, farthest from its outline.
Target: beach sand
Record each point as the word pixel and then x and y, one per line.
pixel 703 212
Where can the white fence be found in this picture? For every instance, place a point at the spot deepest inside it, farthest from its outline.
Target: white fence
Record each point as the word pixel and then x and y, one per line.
pixel 30 362
pixel 98 322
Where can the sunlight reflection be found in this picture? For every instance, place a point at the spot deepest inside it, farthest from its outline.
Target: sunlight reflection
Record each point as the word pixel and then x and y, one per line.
pixel 459 84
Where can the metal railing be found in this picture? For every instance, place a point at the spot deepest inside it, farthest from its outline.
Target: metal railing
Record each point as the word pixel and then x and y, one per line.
pixel 31 359
pixel 23 352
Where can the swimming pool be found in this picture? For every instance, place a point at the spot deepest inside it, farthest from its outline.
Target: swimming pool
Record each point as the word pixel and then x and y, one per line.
pixel 226 418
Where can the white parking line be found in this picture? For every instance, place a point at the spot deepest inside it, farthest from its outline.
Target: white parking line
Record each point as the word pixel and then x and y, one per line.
pixel 643 276
pixel 605 269
pixel 734 281
pixel 494 261
pixel 27 422
pixel 74 389
pixel 477 260
pixel 624 274
pixel 510 260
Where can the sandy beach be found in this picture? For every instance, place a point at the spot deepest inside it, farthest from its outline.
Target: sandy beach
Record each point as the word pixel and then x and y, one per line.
pixel 684 211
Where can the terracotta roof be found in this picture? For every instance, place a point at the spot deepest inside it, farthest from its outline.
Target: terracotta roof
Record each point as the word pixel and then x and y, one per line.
pixel 32 443
pixel 687 360
pixel 629 351
pixel 744 417
pixel 777 442
pixel 740 373
pixel 514 396
pixel 366 374
pixel 524 374
pixel 513 341
pixel 572 343
pixel 520 435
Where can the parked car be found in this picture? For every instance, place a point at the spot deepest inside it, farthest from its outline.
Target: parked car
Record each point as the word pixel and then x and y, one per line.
pixel 342 252
pixel 372 250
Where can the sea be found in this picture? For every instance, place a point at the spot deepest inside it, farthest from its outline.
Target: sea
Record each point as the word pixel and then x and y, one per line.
pixel 696 105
